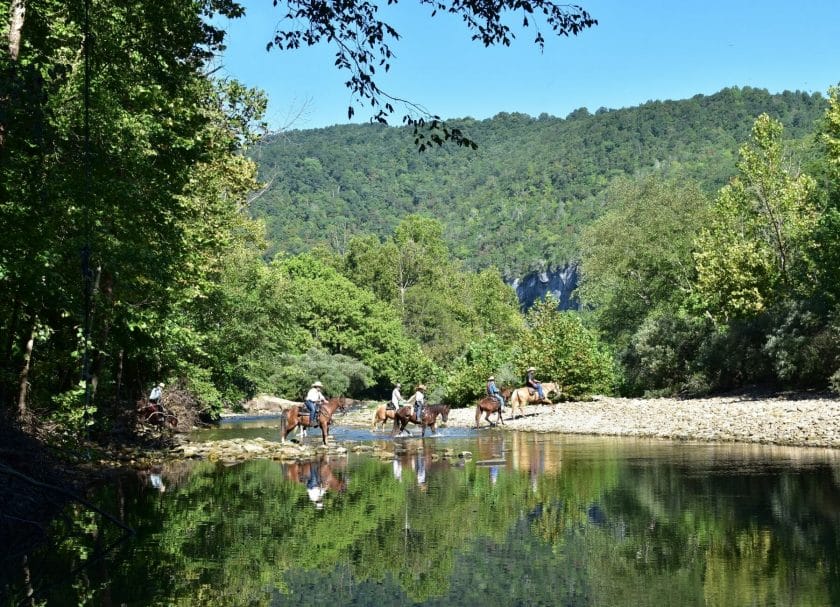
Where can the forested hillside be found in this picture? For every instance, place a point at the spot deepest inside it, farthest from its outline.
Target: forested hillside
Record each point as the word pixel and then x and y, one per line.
pixel 519 201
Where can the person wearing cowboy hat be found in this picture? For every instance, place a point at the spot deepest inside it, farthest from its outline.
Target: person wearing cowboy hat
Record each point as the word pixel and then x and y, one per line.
pixel 533 383
pixel 419 401
pixel 493 391
pixel 314 398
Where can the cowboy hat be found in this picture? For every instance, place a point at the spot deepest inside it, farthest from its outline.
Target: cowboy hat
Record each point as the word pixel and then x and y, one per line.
pixel 317 384
pixel 421 387
pixel 491 378
pixel 531 369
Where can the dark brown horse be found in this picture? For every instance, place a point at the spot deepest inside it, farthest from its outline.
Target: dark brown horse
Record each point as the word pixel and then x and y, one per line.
pixel 428 418
pixel 158 415
pixel 298 415
pixel 490 404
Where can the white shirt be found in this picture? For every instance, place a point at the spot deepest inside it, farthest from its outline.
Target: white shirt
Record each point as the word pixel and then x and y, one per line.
pixel 316 493
pixel 314 395
pixel 396 397
pixel 419 397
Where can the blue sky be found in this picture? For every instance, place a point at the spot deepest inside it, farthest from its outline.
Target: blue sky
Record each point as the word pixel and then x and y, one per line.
pixel 641 50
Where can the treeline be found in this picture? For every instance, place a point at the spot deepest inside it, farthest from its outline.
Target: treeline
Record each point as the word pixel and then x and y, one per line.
pixel 518 202
pixel 699 294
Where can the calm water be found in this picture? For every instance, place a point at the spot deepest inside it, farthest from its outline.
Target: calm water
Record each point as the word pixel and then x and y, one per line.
pixel 528 520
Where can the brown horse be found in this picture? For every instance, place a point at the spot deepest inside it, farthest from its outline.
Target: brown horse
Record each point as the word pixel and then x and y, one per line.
pixel 523 396
pixel 490 404
pixel 428 417
pixel 298 415
pixel 381 415
pixel 158 415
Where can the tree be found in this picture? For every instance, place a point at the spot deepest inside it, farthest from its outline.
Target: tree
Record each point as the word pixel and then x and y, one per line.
pixel 363 45
pixel 637 257
pixel 564 351
pixel 757 249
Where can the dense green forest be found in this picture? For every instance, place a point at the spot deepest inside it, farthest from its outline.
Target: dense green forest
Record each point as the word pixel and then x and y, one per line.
pixel 142 245
pixel 517 202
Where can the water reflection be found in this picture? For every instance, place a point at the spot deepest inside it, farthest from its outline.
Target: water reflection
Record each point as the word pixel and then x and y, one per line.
pixel 319 476
pixel 527 520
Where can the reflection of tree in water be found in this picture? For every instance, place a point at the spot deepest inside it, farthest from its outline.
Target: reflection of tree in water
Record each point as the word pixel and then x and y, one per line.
pixel 612 532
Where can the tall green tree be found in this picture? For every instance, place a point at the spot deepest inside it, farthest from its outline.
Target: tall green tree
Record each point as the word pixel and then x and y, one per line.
pixel 757 249
pixel 637 257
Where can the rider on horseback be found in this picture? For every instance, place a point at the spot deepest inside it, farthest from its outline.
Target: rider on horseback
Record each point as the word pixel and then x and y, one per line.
pixel 533 383
pixel 396 397
pixel 419 401
pixel 493 391
pixel 314 398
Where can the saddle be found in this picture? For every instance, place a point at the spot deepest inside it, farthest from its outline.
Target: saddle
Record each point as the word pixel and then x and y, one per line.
pixel 304 411
pixel 389 406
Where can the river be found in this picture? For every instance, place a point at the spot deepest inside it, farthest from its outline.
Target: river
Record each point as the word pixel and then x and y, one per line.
pixel 466 518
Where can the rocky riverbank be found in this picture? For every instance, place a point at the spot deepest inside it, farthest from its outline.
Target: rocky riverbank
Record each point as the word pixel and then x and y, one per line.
pixel 804 420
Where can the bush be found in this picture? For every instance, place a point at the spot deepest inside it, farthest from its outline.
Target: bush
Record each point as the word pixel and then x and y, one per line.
pixel 566 352
pixel 662 356
pixel 466 382
pixel 341 375
pixel 803 347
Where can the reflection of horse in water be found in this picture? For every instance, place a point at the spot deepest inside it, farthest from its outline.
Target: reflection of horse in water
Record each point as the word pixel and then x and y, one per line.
pixel 298 415
pixel 381 415
pixel 428 417
pixel 526 395
pixel 319 478
pixel 490 404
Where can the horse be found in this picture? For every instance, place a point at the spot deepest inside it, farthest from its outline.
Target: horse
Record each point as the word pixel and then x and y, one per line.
pixel 490 404
pixel 428 417
pixel 381 415
pixel 523 396
pixel 158 415
pixel 298 415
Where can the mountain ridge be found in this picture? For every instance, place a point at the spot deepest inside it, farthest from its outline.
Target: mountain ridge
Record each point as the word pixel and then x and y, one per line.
pixel 519 201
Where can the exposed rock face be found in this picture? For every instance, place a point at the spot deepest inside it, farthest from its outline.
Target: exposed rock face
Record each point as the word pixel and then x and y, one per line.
pixel 559 282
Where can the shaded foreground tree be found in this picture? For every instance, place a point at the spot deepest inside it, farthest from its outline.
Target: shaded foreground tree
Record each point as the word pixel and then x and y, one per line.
pixel 363 45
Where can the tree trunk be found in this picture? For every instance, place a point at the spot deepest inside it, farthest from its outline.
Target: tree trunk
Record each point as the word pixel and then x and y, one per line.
pixel 24 372
pixel 6 389
pixel 27 582
pixel 17 14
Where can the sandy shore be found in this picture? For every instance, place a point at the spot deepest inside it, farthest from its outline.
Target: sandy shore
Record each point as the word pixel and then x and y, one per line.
pixel 812 421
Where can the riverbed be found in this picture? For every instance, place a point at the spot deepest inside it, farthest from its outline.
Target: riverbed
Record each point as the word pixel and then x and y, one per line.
pixel 468 517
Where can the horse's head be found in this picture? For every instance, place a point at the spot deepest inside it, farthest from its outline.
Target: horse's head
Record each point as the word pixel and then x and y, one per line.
pixel 341 404
pixel 444 413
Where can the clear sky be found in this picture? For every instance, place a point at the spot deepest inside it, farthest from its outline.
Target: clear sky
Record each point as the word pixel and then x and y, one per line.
pixel 640 51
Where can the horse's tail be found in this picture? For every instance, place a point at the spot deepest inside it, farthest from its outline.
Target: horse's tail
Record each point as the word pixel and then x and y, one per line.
pixel 396 423
pixel 284 420
pixel 376 416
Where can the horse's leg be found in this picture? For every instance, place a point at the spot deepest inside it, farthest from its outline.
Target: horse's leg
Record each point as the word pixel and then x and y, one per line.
pixel 477 415
pixel 324 431
pixel 291 424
